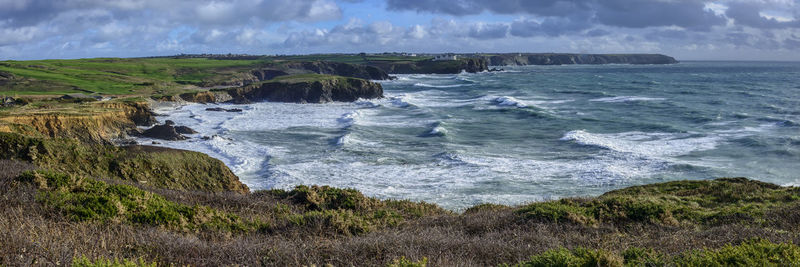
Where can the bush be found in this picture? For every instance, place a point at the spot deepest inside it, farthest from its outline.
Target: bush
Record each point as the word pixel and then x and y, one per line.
pixel 403 262
pixel 84 199
pixel 750 253
pixel 160 167
pixel 714 202
pixel 577 257
pixel 83 261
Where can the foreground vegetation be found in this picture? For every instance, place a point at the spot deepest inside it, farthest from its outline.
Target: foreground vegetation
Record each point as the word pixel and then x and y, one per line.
pixel 53 216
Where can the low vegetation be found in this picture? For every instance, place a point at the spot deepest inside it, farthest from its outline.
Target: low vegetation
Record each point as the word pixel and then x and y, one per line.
pixel 755 252
pixel 160 167
pixel 700 203
pixel 116 76
pixel 53 216
pixel 83 199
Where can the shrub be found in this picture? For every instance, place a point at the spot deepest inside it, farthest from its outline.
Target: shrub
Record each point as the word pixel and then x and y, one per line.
pixel 714 202
pixel 635 256
pixel 403 262
pixel 751 253
pixel 83 261
pixel 576 257
pixel 85 199
pixel 557 211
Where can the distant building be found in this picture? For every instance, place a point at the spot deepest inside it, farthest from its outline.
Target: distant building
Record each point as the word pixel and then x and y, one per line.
pixel 445 57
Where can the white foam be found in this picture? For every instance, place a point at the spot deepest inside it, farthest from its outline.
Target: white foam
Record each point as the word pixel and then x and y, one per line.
pixel 619 99
pixel 646 144
pixel 438 130
pixel 277 116
pixel 792 184
pixel 441 86
pixel 342 140
pixel 509 101
pixel 349 118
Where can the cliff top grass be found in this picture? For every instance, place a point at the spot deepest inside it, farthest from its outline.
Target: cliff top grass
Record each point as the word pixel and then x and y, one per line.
pixel 115 76
pixel 350 58
pixel 153 166
pixel 700 203
pixel 309 78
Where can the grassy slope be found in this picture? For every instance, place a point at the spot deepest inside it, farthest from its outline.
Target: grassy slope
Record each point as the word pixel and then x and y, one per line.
pixel 142 76
pixel 115 76
pixel 353 59
pixel 317 225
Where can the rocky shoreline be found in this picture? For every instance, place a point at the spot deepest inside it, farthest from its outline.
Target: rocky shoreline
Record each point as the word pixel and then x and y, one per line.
pixel 71 196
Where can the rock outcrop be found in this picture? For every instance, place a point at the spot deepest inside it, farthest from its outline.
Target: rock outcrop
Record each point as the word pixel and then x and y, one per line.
pixel 266 73
pixel 565 59
pixel 164 132
pixel 153 166
pixel 184 130
pixel 293 89
pixel 219 109
pixel 336 68
pixel 471 65
pixel 5 78
pixel 318 91
pixel 97 123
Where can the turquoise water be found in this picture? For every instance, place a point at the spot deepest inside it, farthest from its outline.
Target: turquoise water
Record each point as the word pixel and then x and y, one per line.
pixel 526 134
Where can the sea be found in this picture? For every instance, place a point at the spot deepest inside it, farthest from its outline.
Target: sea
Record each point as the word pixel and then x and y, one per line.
pixel 524 134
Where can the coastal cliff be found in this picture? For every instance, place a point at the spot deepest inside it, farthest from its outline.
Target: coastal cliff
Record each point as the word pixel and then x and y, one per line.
pixel 95 123
pixel 566 59
pixel 334 68
pixel 305 88
pixel 471 65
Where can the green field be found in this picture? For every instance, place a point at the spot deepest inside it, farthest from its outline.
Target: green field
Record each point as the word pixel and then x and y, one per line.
pixel 114 76
pixel 350 58
pixel 146 76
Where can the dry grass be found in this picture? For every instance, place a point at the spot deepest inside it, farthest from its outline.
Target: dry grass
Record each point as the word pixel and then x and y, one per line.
pixel 33 234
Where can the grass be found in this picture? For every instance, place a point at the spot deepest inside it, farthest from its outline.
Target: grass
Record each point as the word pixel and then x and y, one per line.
pixel 84 199
pixel 59 217
pixel 703 203
pixel 83 261
pixel 756 252
pixel 297 78
pixel 349 58
pixel 167 168
pixel 116 76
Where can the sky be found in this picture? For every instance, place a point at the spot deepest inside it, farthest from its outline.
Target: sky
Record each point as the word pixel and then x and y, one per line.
pixel 684 29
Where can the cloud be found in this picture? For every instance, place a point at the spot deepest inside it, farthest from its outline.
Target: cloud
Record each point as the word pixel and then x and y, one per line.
pixel 90 27
pixel 641 14
pixel 488 30
pixel 621 13
pixel 551 26
pixel 472 7
pixel 749 14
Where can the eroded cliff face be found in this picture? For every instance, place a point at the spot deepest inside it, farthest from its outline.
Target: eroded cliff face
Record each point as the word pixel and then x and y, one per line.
pixel 152 166
pixel 567 59
pixel 344 90
pixel 98 123
pixel 267 73
pixel 336 68
pixel 471 65
pixel 331 89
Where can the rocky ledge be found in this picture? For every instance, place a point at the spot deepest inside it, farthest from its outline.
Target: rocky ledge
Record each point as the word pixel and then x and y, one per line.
pixel 471 65
pixel 304 88
pixel 521 59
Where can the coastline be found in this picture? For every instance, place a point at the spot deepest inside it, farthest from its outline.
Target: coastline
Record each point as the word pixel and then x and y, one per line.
pixel 73 199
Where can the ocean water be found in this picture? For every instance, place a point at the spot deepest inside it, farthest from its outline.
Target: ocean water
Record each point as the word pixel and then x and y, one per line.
pixel 526 134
